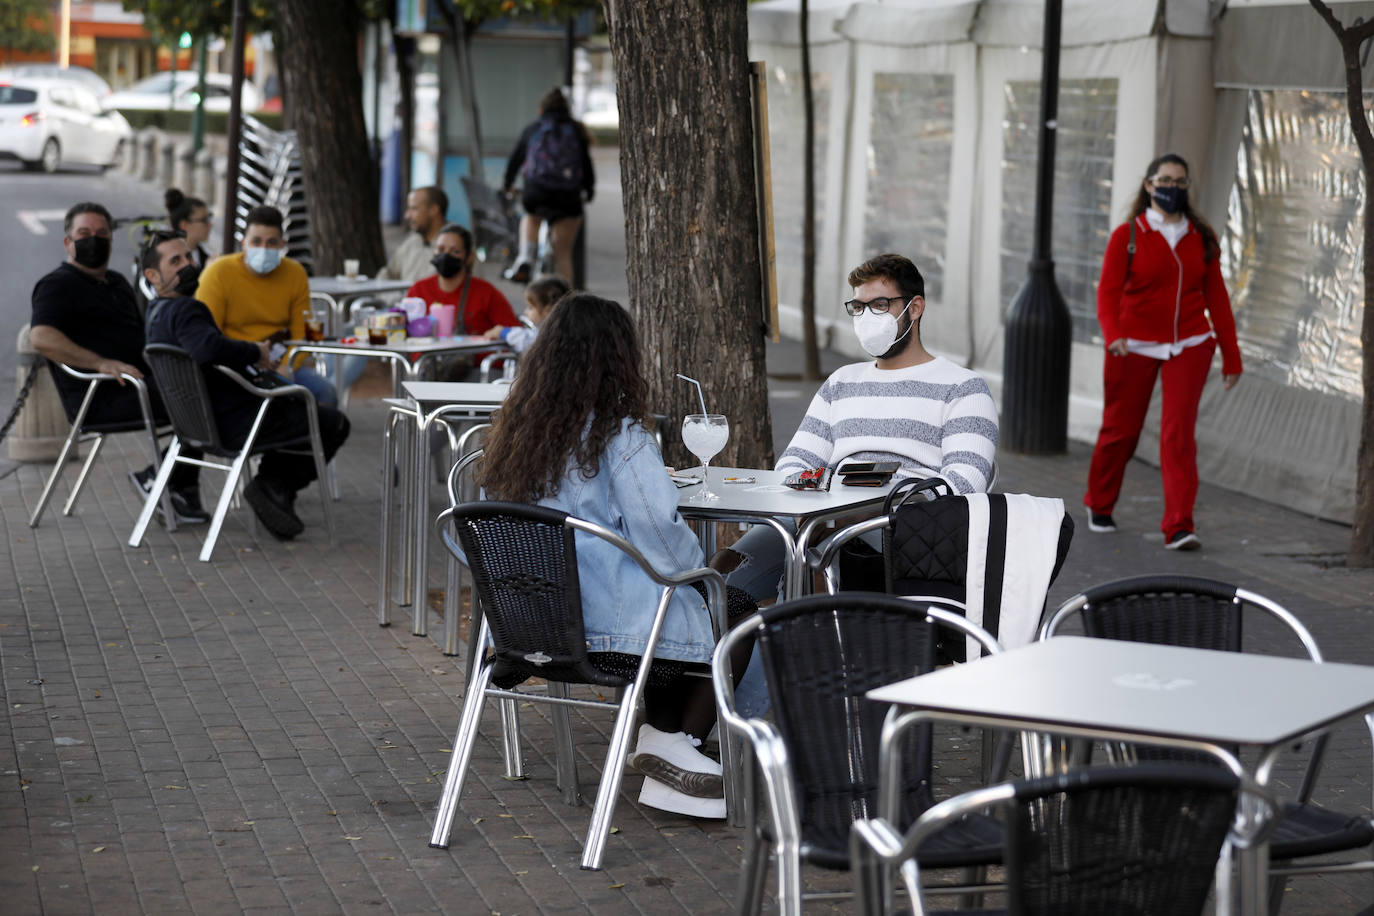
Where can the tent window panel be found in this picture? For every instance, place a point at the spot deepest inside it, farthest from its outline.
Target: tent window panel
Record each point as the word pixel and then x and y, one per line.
pixel 911 136
pixel 1085 149
pixel 786 133
pixel 1291 248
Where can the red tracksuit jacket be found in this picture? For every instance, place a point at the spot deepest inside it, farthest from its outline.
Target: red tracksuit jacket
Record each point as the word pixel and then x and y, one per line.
pixel 1168 293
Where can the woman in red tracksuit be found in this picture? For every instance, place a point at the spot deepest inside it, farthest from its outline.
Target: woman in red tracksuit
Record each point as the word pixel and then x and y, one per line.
pixel 1164 311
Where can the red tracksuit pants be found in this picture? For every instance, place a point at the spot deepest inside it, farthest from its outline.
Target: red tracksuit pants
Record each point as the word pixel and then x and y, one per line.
pixel 1128 382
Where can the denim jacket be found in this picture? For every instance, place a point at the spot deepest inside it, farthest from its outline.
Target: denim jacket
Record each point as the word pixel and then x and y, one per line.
pixel 633 496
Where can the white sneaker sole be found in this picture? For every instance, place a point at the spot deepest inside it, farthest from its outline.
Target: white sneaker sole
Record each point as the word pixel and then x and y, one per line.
pixel 655 794
pixel 1100 529
pixel 1187 542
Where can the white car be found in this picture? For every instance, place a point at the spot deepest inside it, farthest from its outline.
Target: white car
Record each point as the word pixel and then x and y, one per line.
pixel 88 78
pixel 49 123
pixel 176 91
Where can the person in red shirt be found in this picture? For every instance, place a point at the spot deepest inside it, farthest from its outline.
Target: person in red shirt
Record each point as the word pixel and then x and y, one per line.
pixel 1164 311
pixel 479 305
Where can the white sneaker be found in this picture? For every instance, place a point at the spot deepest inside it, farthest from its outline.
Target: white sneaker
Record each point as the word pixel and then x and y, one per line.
pixel 674 762
pixel 655 794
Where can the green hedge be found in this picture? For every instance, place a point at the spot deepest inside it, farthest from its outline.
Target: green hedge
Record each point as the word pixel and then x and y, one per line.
pixel 179 122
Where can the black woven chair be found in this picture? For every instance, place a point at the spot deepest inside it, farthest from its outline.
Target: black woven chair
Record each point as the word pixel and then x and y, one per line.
pixel 95 433
pixel 1129 841
pixel 819 756
pixel 1206 614
pixel 181 382
pixel 523 561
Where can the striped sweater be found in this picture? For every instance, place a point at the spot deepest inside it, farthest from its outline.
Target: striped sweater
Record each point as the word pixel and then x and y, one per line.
pixel 937 419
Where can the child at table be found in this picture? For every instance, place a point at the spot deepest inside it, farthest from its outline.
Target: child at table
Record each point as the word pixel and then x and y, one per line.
pixel 572 435
pixel 540 298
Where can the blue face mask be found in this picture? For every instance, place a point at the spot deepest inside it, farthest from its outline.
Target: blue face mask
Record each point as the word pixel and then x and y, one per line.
pixel 262 260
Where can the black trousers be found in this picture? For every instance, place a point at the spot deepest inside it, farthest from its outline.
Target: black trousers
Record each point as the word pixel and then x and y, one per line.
pixel 293 467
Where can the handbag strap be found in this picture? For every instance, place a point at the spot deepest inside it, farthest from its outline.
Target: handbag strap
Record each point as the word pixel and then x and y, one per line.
pixel 900 494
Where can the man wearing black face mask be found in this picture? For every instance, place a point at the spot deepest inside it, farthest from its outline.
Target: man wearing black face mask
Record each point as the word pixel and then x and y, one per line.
pixel 175 317
pixel 86 316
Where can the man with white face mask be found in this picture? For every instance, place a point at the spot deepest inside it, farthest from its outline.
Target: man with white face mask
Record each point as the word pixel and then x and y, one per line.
pixel 935 418
pixel 260 294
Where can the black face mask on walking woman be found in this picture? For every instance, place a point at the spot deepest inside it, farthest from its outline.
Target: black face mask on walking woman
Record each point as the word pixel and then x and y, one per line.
pixel 1171 200
pixel 447 266
pixel 92 251
pixel 187 280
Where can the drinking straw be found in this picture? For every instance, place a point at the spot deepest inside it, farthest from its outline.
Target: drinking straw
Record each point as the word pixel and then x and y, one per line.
pixel 700 397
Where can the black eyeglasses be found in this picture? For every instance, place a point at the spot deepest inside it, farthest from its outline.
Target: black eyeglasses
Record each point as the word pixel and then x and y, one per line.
pixel 879 305
pixel 1165 181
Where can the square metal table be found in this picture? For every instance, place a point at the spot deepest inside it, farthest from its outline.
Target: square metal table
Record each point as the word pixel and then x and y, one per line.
pixel 1125 691
pixel 766 500
pixel 341 292
pixel 404 368
pixel 432 401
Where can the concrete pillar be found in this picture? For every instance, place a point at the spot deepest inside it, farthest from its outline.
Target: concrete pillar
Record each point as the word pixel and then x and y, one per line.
pixel 203 174
pixel 147 152
pixel 183 162
pixel 166 162
pixel 42 425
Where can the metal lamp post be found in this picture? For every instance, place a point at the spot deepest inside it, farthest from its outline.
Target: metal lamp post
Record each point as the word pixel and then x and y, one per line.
pixel 1039 333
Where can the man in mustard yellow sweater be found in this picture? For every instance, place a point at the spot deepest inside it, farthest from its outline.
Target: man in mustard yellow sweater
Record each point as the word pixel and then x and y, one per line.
pixel 259 293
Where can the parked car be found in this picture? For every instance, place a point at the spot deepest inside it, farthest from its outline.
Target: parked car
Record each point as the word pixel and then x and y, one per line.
pixel 176 90
pixel 88 78
pixel 47 123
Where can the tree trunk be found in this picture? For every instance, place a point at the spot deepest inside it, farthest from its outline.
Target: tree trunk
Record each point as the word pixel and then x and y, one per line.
pixel 1352 38
pixel 341 191
pixel 405 73
pixel 811 367
pixel 691 225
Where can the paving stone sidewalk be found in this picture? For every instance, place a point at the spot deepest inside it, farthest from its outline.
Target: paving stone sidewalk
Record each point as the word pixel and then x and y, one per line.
pixel 241 736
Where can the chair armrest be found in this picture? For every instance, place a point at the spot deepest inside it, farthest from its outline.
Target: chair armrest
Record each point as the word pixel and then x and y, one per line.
pixel 823 555
pixel 283 391
pixel 98 377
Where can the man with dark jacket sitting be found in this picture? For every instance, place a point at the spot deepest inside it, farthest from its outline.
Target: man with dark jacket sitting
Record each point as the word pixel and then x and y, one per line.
pixel 174 317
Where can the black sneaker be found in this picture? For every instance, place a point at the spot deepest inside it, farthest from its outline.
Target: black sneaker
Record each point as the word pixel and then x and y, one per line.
pixel 1182 539
pixel 1102 524
pixel 272 506
pixel 185 504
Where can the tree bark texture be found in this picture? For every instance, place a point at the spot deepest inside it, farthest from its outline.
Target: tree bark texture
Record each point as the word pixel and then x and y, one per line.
pixel 691 224
pixel 322 75
pixel 1361 552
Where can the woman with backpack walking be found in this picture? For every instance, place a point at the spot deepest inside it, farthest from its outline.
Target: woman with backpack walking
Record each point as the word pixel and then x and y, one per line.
pixel 553 157
pixel 1164 310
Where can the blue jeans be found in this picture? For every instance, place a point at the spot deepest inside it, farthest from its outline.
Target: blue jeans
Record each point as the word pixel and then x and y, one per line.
pixel 318 385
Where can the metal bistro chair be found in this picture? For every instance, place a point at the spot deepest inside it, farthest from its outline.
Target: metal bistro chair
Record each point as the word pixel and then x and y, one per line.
pixel 523 561
pixel 1127 840
pixel 819 756
pixel 181 381
pixel 461 487
pixel 95 433
pixel 1206 614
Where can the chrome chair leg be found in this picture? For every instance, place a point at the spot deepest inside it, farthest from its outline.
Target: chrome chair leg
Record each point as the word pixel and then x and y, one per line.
pixel 51 483
pixel 608 791
pixel 96 443
pixel 563 746
pixel 222 507
pixel 461 756
pixel 164 474
pixel 510 739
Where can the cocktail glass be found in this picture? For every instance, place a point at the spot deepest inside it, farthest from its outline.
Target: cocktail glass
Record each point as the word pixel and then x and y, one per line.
pixel 705 434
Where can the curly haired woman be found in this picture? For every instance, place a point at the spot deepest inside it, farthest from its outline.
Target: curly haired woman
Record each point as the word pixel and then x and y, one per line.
pixel 572 435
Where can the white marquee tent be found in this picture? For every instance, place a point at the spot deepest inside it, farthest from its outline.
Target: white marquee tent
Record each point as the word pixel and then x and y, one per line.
pixel 927 124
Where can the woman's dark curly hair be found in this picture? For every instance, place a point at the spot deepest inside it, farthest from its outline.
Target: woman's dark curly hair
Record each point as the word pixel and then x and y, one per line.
pixel 584 366
pixel 1211 248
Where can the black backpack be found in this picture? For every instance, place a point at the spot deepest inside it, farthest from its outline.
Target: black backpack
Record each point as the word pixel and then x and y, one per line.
pixel 553 158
